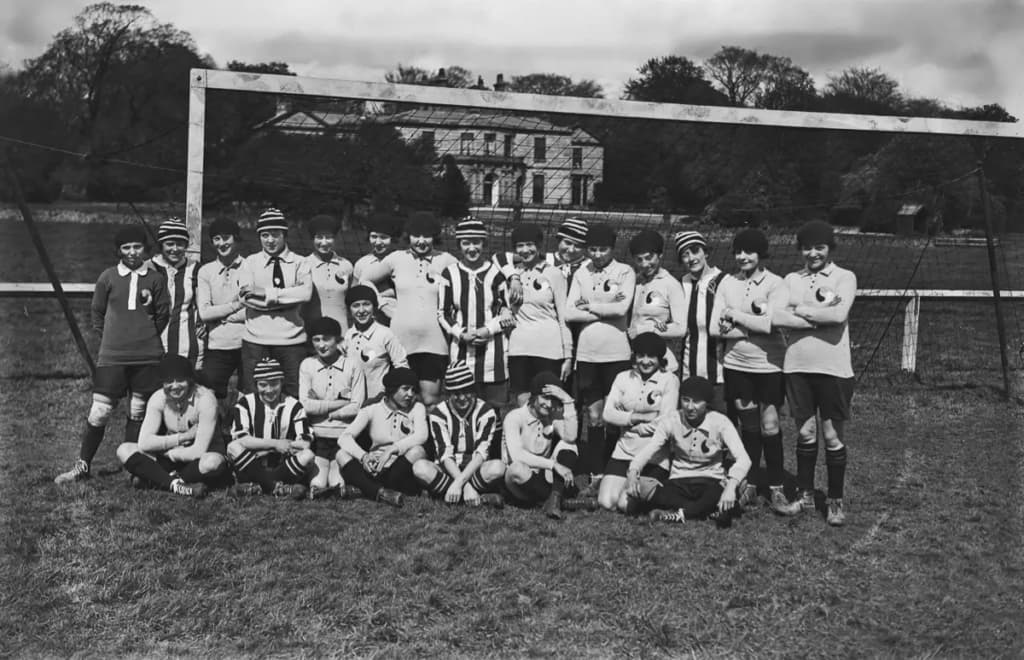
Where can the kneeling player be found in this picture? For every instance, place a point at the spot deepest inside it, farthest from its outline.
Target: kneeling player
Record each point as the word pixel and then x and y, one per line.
pixel 540 445
pixel 397 429
pixel 271 451
pixel 331 390
pixel 173 452
pixel 697 439
pixel 462 428
pixel 639 396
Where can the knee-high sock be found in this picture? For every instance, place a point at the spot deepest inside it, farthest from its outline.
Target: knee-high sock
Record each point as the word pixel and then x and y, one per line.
pixel 478 483
pixel 750 433
pixel 144 467
pixel 92 436
pixel 568 459
pixel 536 488
pixel 399 476
pixel 773 458
pixel 806 457
pixel 354 475
pixel 249 467
pixel 290 471
pixel 835 464
pixel 440 484
pixel 593 450
pixel 131 430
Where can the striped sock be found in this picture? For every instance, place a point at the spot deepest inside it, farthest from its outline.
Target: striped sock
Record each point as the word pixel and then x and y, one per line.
pixel 440 484
pixel 835 464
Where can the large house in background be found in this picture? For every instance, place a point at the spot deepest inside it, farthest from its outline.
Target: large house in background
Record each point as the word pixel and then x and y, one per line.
pixel 505 158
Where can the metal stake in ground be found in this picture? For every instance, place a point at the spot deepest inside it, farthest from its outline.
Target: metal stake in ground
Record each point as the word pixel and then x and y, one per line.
pixel 37 240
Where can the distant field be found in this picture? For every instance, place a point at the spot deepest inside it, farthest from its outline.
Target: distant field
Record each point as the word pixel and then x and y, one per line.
pixel 930 565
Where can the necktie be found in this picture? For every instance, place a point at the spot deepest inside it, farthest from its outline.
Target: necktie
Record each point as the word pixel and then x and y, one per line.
pixel 278 276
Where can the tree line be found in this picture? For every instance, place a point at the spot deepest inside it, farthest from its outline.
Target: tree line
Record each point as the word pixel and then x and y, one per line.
pixel 108 99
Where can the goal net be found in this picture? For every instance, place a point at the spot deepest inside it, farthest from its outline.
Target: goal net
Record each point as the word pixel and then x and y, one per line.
pixel 908 196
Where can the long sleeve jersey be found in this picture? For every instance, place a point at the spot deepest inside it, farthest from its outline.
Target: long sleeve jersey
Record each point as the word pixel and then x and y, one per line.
pixel 702 354
pixel 321 383
pixel 377 351
pixel 389 426
pixel 609 293
pixel 660 300
pixel 631 393
pixel 385 289
pixel 754 344
pixel 216 294
pixel 470 299
pixel 180 337
pixel 331 279
pixel 528 440
pixel 282 324
pixel 541 316
pixel 696 452
pixel 457 437
pixel 130 309
pixel 827 296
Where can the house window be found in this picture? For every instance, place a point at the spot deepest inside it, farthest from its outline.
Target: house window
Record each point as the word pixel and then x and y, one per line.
pixel 538 188
pixel 466 144
pixel 577 158
pixel 489 142
pixel 508 144
pixel 428 139
pixel 540 149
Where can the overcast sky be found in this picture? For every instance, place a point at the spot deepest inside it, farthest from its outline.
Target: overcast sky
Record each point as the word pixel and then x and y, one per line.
pixel 963 52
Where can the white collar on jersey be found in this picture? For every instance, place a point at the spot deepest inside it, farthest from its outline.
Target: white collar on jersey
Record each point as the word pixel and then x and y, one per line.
pixel 125 271
pixel 826 271
pixel 286 255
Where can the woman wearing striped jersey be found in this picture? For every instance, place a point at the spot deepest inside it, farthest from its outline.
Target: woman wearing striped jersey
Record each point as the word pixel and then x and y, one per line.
pixel 270 450
pixel 754 350
pixel 658 304
pixel 178 442
pixel 639 396
pixel 416 274
pixel 185 333
pixel 332 273
pixel 599 298
pixel 463 428
pixel 539 318
pixel 697 440
pixel 370 345
pixel 701 356
pixel 396 427
pixel 332 389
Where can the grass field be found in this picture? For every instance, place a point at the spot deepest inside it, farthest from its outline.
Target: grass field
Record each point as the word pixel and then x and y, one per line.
pixel 931 563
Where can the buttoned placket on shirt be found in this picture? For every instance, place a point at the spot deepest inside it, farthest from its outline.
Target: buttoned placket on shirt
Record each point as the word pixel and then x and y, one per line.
pixel 335 261
pixel 331 369
pixel 362 339
pixel 424 263
pixel 133 283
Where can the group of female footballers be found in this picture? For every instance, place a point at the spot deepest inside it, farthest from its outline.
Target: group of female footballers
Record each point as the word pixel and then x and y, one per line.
pixel 537 378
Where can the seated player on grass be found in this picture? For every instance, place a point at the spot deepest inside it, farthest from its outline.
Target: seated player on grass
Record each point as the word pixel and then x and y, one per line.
pixel 371 346
pixel 130 309
pixel 754 349
pixel 639 396
pixel 540 445
pixel 819 373
pixel 331 390
pixel 697 439
pixel 178 434
pixel 270 451
pixel 397 426
pixel 462 429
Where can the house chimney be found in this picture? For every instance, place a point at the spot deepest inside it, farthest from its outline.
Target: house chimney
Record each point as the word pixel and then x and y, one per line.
pixel 441 78
pixel 499 84
pixel 479 83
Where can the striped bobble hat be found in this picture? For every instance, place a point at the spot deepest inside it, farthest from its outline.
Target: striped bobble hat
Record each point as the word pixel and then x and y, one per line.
pixel 574 230
pixel 458 377
pixel 172 228
pixel 470 228
pixel 267 368
pixel 271 219
pixel 687 239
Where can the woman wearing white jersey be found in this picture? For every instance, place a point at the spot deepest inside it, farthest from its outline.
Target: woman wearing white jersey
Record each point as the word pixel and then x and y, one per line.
pixel 754 351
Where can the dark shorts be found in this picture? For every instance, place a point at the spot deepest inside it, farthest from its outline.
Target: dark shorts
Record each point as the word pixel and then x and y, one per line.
pixel 325 447
pixel 114 381
pixel 619 467
pixel 428 366
pixel 764 388
pixel 218 368
pixel 522 369
pixel 595 379
pixel 829 396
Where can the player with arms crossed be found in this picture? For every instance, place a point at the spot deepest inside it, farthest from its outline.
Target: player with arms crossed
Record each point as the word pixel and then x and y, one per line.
pixel 332 388
pixel 540 445
pixel 178 442
pixel 185 333
pixel 639 396
pixel 270 452
pixel 130 309
pixel 754 351
pixel 697 439
pixel 818 367
pixel 463 429
pixel 397 430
